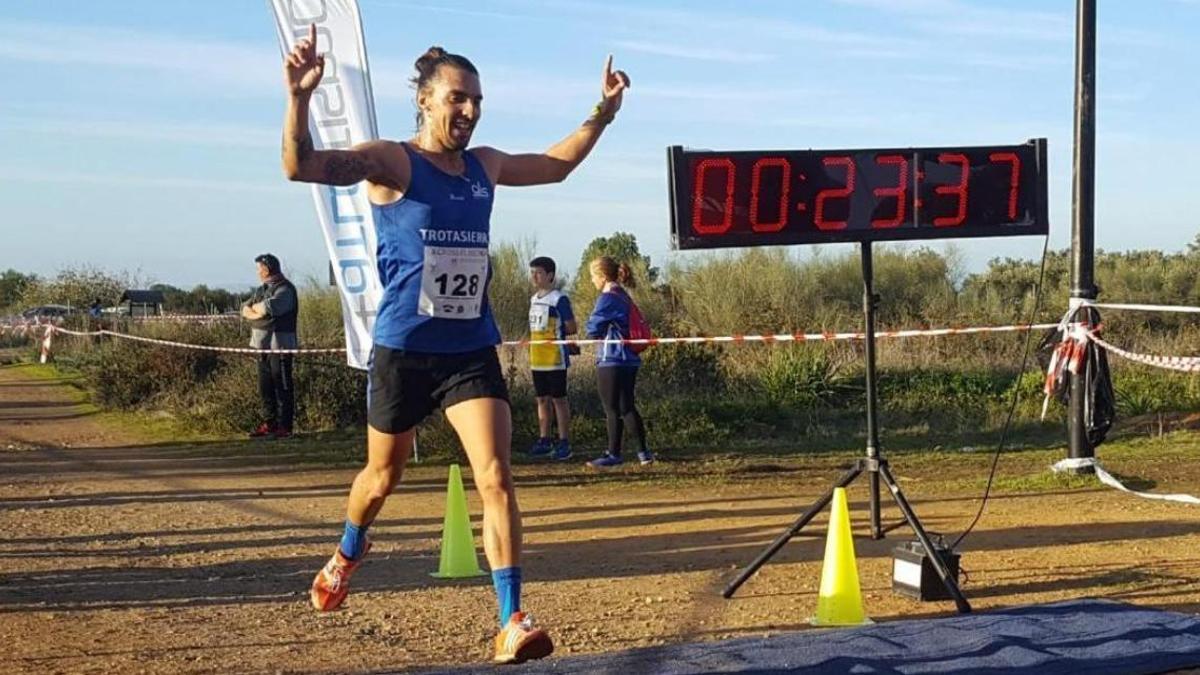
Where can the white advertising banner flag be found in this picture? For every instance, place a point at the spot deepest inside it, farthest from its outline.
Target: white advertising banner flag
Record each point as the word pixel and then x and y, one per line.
pixel 342 114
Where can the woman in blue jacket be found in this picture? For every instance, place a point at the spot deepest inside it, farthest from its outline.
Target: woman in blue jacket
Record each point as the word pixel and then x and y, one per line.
pixel 616 364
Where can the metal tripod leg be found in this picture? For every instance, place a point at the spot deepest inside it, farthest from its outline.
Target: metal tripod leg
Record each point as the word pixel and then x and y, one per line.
pixel 782 539
pixel 939 565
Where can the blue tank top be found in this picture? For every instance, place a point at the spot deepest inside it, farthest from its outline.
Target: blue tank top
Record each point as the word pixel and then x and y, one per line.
pixel 433 261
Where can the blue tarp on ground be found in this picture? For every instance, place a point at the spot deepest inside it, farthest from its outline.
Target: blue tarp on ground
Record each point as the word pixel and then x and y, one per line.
pixel 1079 636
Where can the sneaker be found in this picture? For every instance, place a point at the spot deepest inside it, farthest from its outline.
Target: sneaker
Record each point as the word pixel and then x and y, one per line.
pixel 606 460
pixel 646 457
pixel 264 430
pixel 562 451
pixel 519 641
pixel 541 448
pixel 283 434
pixel 332 584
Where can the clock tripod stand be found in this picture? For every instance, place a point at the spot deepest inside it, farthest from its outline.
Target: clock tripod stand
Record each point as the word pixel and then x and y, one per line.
pixel 873 465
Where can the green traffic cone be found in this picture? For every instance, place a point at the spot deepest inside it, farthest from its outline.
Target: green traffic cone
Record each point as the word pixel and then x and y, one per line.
pixel 458 558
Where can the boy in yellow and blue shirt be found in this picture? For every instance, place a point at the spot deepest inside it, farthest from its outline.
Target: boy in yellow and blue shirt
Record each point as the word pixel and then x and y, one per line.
pixel 550 318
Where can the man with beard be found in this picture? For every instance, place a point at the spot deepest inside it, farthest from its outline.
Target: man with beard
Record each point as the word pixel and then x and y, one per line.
pixel 435 336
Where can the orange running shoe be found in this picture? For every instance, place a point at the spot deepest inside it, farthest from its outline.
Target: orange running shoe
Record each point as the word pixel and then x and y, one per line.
pixel 519 641
pixel 332 584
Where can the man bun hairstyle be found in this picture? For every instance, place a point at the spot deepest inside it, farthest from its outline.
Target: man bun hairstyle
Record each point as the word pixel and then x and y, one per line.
pixel 427 67
pixel 545 264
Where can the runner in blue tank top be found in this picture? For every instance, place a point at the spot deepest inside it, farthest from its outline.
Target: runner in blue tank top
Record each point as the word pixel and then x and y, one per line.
pixel 435 336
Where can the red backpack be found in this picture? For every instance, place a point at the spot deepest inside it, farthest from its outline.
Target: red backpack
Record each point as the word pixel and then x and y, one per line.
pixel 638 328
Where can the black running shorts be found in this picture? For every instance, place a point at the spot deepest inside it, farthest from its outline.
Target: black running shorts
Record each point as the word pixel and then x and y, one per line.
pixel 552 383
pixel 404 388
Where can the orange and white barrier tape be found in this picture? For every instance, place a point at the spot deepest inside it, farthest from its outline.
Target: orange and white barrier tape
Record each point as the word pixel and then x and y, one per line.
pixel 782 337
pixel 1184 309
pixel 210 348
pixel 186 318
pixel 46 342
pixel 22 327
pixel 1077 463
pixel 1183 364
pixel 792 337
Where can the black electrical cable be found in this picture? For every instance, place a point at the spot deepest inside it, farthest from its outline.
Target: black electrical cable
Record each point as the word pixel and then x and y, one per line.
pixel 1016 396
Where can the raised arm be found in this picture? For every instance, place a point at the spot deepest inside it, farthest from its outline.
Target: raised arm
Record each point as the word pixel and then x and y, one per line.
pixel 561 159
pixel 302 71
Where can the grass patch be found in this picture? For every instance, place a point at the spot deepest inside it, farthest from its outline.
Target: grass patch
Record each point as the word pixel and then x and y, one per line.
pixel 44 371
pixel 150 428
pixel 1045 481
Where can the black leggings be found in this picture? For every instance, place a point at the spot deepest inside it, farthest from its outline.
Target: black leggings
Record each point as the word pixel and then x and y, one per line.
pixel 616 393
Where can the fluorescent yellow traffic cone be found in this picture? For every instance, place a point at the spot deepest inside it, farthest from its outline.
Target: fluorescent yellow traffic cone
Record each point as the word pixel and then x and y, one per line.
pixel 458 558
pixel 840 599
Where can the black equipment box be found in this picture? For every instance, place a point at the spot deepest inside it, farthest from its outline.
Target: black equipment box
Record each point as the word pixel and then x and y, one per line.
pixel 913 575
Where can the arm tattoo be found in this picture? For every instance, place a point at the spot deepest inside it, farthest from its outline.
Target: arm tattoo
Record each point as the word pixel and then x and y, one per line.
pixel 303 145
pixel 344 170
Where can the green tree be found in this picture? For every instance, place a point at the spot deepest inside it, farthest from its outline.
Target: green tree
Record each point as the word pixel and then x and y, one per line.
pixel 621 247
pixel 12 287
pixel 77 287
pixel 510 289
pixel 200 300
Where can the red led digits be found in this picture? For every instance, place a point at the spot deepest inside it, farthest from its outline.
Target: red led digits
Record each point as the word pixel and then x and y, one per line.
pixel 785 181
pixel 1014 178
pixel 729 198
pixel 834 193
pixel 900 192
pixel 959 189
pixel 698 197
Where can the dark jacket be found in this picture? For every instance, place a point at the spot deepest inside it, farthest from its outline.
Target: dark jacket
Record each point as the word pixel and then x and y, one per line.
pixel 277 329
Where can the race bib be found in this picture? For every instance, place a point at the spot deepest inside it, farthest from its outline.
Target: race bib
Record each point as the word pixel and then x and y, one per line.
pixel 539 318
pixel 452 282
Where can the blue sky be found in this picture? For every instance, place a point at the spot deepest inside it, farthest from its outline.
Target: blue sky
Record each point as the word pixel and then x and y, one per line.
pixel 142 135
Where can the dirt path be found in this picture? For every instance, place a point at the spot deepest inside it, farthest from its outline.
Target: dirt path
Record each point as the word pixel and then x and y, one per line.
pixel 166 559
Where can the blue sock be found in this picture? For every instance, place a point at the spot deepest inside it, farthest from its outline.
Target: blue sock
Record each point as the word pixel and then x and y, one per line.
pixel 354 540
pixel 507 581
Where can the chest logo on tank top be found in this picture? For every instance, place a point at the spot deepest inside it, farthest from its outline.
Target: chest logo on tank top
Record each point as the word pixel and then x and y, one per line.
pixel 479 190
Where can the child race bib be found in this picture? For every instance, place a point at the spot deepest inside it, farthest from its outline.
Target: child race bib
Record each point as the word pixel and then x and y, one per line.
pixel 539 318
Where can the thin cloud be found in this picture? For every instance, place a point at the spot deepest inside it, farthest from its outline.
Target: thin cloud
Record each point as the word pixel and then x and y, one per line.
pixel 1125 95
pixel 733 28
pixel 961 19
pixel 208 62
pixel 693 53
pixel 1003 24
pixel 645 168
pixel 442 9
pixel 1021 62
pixel 712 94
pixel 146 131
pixel 934 78
pixel 904 6
pixel 166 182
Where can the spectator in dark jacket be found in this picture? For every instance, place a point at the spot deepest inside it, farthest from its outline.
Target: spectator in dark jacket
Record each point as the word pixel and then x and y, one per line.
pixel 616 364
pixel 272 311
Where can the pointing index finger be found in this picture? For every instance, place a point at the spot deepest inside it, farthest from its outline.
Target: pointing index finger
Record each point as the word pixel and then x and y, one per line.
pixel 607 67
pixel 312 38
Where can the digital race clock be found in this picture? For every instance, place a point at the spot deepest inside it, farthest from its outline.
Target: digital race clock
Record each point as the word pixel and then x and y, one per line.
pixel 753 198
